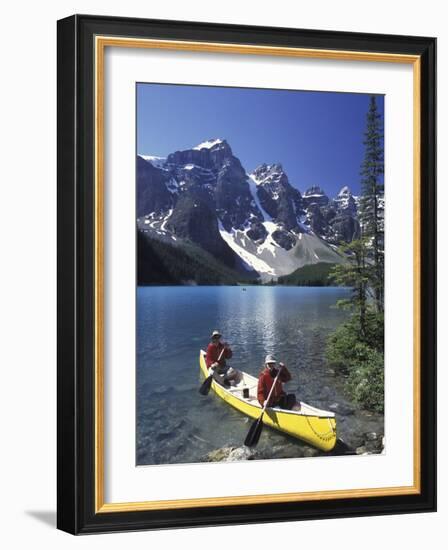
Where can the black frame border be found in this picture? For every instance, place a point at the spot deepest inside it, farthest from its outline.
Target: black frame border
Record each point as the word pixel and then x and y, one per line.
pixel 76 261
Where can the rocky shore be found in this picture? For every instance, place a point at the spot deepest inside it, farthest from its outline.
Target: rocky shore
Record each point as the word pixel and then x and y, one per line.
pixel 371 443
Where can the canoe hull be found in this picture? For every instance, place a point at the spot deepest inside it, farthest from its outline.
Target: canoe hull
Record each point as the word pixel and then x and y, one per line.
pixel 316 430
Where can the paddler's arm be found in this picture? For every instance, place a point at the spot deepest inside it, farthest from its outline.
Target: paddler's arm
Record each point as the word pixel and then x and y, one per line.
pixel 209 358
pixel 285 375
pixel 227 351
pixel 261 394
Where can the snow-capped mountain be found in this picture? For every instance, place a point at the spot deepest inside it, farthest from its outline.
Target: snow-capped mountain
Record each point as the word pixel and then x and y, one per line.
pixel 346 202
pixel 255 221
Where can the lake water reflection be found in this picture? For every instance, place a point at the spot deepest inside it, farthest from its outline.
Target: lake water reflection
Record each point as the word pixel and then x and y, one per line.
pixel 175 424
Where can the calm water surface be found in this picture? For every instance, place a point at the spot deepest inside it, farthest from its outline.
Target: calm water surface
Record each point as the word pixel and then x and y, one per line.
pixel 174 422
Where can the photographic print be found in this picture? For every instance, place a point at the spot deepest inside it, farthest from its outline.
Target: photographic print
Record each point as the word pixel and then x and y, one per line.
pixel 260 269
pixel 246 274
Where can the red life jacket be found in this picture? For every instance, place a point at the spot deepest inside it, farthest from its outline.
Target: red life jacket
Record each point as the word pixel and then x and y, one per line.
pixel 213 353
pixel 265 383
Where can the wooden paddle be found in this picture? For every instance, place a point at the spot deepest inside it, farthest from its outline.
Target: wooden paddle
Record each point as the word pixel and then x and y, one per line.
pixel 207 384
pixel 253 435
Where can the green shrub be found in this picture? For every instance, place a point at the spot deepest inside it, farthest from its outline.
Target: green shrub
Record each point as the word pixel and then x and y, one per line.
pixel 366 381
pixel 340 345
pixel 361 358
pixel 374 330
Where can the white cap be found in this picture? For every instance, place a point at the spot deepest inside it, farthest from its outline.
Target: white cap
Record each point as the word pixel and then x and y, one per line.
pixel 216 333
pixel 270 359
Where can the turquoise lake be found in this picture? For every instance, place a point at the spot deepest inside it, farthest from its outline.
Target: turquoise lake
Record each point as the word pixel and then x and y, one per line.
pixel 175 424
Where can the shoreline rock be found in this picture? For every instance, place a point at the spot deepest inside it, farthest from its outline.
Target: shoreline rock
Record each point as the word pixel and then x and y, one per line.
pixel 231 454
pixel 373 444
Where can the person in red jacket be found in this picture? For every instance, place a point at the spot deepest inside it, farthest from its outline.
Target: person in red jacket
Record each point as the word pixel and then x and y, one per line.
pixel 279 398
pixel 215 359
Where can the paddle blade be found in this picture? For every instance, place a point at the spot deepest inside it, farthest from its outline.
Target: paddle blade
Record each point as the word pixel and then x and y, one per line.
pixel 253 435
pixel 205 388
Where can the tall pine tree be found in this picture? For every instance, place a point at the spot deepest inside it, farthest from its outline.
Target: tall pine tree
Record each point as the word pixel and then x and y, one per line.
pixel 371 211
pixel 358 345
pixel 355 273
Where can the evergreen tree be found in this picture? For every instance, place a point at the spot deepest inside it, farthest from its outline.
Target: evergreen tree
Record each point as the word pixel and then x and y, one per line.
pixel 355 273
pixel 371 216
pixel 357 345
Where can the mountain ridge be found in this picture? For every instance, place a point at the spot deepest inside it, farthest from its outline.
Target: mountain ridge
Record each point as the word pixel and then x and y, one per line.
pixel 259 221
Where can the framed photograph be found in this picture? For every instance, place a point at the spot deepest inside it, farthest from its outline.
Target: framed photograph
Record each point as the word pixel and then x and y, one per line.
pixel 246 274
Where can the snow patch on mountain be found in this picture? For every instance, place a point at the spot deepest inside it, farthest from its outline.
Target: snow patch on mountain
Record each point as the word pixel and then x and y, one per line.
pixel 344 191
pixel 269 244
pixel 157 162
pixel 238 240
pixel 208 144
pixel 252 181
pixel 173 185
pixel 270 259
pixel 165 219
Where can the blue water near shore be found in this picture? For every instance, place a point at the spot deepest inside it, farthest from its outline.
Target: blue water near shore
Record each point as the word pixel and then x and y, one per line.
pixel 175 424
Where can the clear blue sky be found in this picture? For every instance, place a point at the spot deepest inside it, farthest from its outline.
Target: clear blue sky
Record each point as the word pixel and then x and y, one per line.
pixel 316 136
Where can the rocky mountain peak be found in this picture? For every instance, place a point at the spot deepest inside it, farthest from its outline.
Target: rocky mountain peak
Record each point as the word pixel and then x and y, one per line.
pixel 277 196
pixel 315 195
pixel 215 144
pixel 210 154
pixel 345 203
pixel 345 191
pixel 267 174
pixel 315 190
pixel 203 195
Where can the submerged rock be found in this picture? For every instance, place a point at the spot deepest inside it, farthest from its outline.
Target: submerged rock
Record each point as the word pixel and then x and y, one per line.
pixel 342 409
pixel 373 444
pixel 241 453
pixel 373 447
pixel 284 451
pixel 310 452
pixel 342 448
pixel 218 455
pixel 231 454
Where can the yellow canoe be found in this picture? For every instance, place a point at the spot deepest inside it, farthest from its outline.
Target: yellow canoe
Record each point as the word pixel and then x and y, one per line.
pixel 314 426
